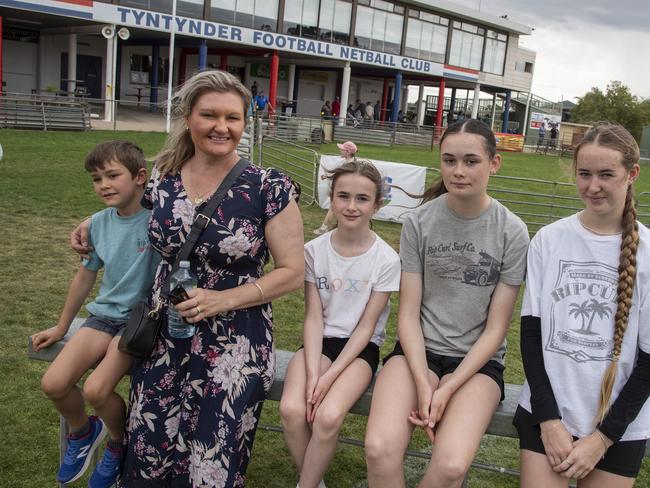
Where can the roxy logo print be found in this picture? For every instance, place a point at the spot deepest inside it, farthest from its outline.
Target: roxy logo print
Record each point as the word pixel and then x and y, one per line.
pixel 460 261
pixel 583 303
pixel 348 285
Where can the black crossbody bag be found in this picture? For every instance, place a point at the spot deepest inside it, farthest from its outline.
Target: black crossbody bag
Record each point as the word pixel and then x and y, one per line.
pixel 144 323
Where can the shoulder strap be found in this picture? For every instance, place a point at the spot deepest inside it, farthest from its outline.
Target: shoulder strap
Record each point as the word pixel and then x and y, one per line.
pixel 202 219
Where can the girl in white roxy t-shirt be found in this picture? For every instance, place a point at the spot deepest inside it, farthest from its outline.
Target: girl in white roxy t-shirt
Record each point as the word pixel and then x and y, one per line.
pixel 585 335
pixel 349 275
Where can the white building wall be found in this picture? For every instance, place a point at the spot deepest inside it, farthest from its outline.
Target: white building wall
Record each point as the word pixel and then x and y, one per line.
pixel 513 79
pixel 20 65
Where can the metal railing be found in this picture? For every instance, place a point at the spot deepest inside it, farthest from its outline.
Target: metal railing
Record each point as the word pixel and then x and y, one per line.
pixel 298 162
pixel 20 111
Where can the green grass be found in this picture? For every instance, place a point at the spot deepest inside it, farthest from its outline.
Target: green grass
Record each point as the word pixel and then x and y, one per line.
pixel 45 192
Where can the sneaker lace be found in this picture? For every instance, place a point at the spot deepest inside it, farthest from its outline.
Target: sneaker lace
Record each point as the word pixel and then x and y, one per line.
pixel 72 451
pixel 109 463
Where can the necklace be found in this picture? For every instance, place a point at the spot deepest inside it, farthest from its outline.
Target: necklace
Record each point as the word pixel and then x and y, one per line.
pixel 594 231
pixel 198 198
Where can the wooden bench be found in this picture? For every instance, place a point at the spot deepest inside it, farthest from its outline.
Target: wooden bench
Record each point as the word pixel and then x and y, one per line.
pixel 500 425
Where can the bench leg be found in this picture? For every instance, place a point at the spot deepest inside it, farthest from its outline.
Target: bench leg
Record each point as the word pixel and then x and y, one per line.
pixel 64 430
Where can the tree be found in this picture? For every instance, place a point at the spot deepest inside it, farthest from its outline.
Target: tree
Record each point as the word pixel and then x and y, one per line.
pixel 617 104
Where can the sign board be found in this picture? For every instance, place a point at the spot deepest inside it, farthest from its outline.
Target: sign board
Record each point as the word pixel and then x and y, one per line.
pixel 407 176
pixel 205 29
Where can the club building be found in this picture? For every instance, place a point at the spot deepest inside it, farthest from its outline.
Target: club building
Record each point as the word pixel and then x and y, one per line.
pixel 299 52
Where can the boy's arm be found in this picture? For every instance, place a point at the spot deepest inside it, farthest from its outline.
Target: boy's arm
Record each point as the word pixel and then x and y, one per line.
pixel 80 287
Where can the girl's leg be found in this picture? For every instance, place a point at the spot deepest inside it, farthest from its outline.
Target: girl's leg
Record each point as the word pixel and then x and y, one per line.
pixel 293 407
pixel 460 430
pixel 389 431
pixel 99 389
pixel 83 350
pixel 602 479
pixel 536 471
pixel 344 392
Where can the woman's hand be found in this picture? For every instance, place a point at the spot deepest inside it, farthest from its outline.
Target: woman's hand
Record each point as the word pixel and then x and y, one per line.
pixel 202 304
pixel 585 455
pixel 79 239
pixel 46 338
pixel 557 441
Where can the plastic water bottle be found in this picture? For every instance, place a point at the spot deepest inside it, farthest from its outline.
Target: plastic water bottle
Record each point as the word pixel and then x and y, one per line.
pixel 176 324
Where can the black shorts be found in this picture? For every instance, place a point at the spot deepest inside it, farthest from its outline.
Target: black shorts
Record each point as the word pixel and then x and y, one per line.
pixel 443 365
pixel 624 458
pixel 332 347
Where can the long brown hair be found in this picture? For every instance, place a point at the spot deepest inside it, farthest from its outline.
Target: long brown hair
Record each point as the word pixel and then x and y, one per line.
pixel 617 138
pixel 178 146
pixel 362 167
pixel 468 126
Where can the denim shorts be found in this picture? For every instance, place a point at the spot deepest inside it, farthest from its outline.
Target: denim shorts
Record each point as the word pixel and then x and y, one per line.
pixel 109 326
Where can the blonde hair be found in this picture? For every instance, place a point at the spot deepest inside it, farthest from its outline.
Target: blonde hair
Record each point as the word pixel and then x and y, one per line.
pixel 178 146
pixel 617 138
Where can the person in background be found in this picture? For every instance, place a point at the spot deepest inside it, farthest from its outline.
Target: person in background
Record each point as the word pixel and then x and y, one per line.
pixel 336 108
pixel 326 110
pixel 377 111
pixel 261 101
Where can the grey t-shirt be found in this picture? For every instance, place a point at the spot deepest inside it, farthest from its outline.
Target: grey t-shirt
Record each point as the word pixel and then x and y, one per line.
pixel 461 261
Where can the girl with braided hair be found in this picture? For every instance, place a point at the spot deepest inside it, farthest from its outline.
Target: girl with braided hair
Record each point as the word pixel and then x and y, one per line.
pixel 585 337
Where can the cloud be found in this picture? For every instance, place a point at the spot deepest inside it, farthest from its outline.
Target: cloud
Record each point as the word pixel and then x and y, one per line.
pixel 580 45
pixel 625 14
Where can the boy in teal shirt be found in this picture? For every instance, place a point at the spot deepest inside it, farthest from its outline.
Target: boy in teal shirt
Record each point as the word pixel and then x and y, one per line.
pixel 121 246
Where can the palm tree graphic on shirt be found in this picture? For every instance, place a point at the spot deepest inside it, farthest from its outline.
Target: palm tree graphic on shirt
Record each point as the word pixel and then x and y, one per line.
pixel 588 310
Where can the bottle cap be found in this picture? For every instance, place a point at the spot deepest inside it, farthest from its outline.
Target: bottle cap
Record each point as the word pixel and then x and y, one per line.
pixel 184 264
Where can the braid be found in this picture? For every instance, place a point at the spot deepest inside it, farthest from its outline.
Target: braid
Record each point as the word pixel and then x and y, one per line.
pixel 626 277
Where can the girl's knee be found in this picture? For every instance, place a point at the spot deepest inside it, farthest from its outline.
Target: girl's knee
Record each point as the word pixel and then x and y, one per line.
pixel 327 422
pixel 96 393
pixel 292 412
pixel 54 386
pixel 449 467
pixel 378 449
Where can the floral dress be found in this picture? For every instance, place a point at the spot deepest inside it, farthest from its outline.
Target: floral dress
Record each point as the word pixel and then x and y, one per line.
pixel 195 403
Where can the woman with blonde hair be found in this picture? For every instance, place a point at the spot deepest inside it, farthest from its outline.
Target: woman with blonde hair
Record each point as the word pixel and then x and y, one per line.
pixel 585 340
pixel 195 402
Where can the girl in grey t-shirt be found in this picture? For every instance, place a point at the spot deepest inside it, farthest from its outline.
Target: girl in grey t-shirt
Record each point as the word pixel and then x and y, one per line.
pixel 463 259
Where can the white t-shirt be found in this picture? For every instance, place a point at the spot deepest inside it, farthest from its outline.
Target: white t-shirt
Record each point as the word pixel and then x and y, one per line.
pixel 571 285
pixel 345 283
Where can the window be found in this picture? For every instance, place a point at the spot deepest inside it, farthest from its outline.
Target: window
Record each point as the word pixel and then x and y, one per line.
pixel 301 18
pixel 426 36
pixel 334 21
pixel 256 14
pixel 140 69
pixel 524 66
pixel 466 45
pixel 379 26
pixel 495 52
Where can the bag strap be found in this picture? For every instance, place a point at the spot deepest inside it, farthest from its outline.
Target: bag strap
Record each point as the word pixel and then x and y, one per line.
pixel 202 219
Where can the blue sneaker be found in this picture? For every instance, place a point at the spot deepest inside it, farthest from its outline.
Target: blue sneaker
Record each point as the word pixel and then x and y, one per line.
pixel 79 452
pixel 107 469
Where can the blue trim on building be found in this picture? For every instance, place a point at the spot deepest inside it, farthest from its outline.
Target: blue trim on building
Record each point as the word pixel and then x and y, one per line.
pixel 45 9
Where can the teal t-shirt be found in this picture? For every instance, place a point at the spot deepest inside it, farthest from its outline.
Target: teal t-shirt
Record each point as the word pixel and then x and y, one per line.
pixel 122 248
